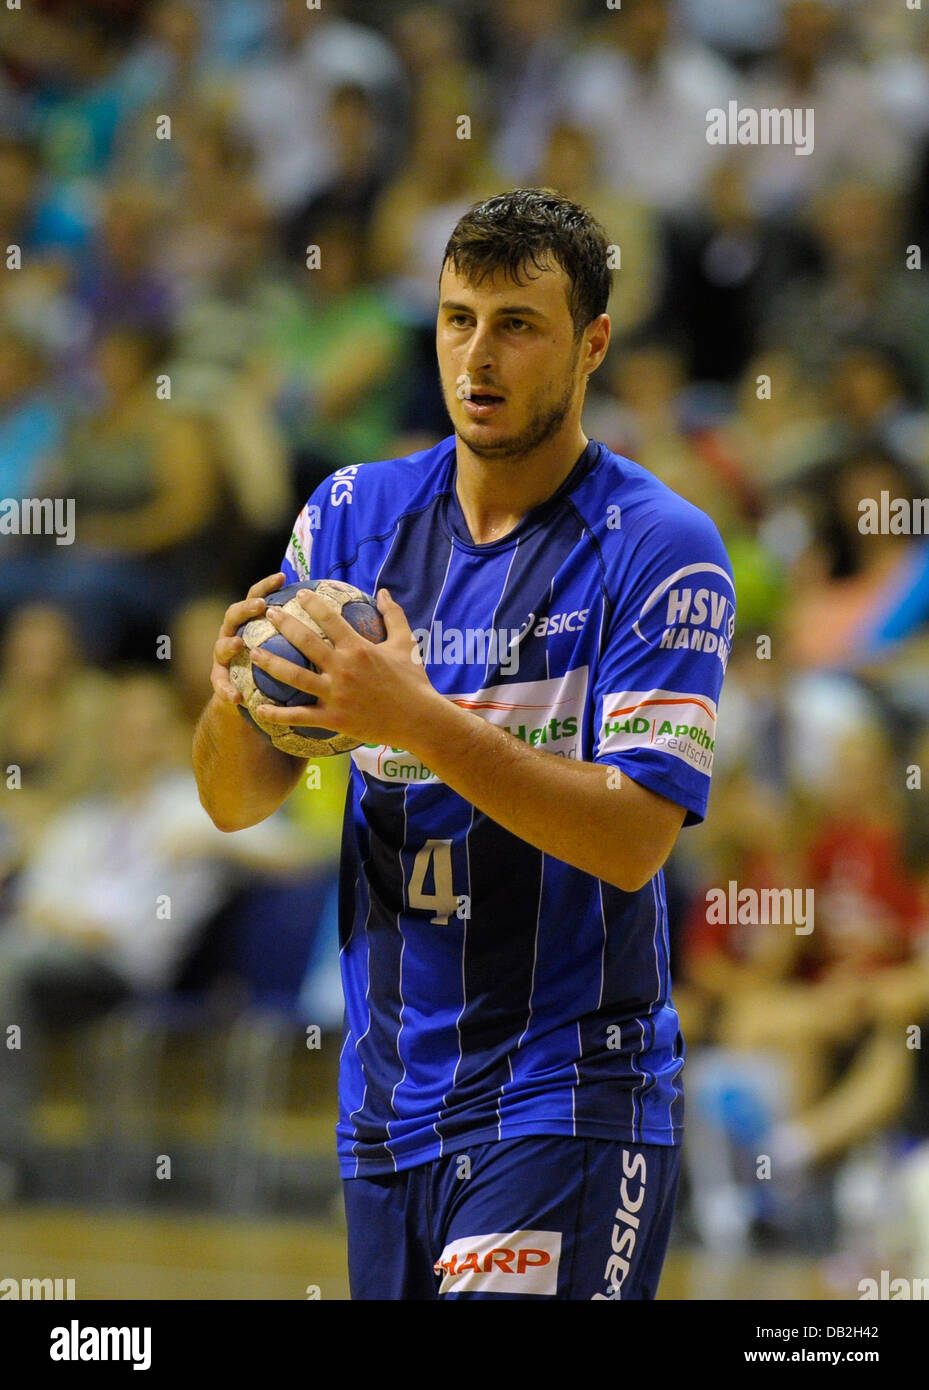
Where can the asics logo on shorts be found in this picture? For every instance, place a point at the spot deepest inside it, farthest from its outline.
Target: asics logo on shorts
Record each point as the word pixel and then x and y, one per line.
pixel 625 1225
pixel 523 1262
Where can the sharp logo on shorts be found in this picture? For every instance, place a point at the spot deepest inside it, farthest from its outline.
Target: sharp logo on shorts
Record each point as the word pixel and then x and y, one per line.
pixel 524 1262
pixel 625 1225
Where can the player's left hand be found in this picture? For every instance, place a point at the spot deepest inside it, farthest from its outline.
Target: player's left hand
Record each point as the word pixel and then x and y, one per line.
pixel 373 691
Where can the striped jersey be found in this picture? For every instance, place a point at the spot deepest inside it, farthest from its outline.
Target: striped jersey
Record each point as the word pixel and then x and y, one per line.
pixel 491 990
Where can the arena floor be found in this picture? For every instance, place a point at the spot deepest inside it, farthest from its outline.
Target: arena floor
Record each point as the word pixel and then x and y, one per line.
pixel 113 1255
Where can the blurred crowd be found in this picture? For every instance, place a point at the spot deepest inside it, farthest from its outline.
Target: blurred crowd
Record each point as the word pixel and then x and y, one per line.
pixel 170 360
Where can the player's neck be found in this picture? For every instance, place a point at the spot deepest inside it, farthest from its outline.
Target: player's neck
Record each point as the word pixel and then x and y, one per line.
pixel 495 493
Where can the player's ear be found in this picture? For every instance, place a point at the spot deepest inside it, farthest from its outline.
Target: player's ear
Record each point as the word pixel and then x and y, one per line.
pixel 597 334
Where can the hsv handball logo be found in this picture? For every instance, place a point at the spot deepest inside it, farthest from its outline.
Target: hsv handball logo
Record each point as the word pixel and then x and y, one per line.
pixel 694 609
pixel 524 1262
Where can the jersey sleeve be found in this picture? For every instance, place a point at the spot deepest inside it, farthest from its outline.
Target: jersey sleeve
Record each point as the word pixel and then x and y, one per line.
pixel 659 677
pixel 298 558
pixel 303 557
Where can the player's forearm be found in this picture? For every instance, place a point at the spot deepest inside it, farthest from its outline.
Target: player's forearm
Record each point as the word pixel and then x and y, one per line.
pixel 242 778
pixel 582 813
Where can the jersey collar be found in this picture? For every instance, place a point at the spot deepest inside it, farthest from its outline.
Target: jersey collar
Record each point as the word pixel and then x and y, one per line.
pixel 457 527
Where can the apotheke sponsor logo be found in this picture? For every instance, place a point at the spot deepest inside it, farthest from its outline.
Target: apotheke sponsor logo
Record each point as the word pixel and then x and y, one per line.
pixel 678 723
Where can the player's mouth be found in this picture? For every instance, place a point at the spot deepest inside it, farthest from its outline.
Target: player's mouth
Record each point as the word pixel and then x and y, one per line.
pixel 481 404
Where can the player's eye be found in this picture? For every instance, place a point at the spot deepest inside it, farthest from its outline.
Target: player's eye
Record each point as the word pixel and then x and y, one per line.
pixel 517 324
pixel 459 320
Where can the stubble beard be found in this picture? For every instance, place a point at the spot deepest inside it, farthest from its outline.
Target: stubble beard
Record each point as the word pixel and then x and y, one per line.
pixel 543 426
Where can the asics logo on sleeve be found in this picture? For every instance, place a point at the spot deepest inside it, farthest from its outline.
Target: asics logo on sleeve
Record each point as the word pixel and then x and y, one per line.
pixel 343 483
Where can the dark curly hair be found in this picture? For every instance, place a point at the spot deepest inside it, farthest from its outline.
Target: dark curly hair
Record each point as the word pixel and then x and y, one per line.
pixel 530 228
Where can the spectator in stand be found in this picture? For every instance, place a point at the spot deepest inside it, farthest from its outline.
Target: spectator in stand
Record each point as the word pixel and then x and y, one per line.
pixel 429 38
pixel 30 419
pixel 31 217
pixel 441 177
pixel 643 89
pixel 282 101
pixel 120 284
pixel 358 173
pixel 865 290
pixel 875 397
pixel 806 1068
pixel 139 476
pixel 643 420
pixel 44 231
pixel 333 359
pixel 859 589
pixel 111 898
pixel 217 205
pixel 746 842
pixel 774 433
pixel 163 68
pixel 54 709
pixel 812 71
pixel 570 164
pixel 724 265
pixel 533 42
pixel 870 914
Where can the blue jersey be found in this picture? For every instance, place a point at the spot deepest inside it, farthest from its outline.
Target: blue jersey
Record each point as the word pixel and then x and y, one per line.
pixel 491 990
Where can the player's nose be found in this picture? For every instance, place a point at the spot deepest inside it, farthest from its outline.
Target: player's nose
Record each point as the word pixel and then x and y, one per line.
pixel 478 354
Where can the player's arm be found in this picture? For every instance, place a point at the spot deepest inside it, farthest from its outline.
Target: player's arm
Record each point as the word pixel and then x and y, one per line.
pixel 242 778
pixel 587 814
pixel 582 813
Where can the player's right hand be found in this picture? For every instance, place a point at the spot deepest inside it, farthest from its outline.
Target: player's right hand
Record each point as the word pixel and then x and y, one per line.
pixel 227 643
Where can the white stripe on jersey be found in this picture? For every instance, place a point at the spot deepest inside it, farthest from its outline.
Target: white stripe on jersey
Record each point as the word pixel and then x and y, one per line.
pixel 400 991
pixel 464 989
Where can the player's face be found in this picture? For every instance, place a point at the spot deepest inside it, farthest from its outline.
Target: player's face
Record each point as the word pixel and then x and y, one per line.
pixel 509 361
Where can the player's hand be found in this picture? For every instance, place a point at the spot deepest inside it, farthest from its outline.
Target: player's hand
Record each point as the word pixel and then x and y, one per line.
pixel 227 643
pixel 376 692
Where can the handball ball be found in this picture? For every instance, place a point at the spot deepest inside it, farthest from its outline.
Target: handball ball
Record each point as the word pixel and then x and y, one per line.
pixel 257 687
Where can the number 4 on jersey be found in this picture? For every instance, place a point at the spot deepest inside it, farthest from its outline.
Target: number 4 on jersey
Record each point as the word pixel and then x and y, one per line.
pixel 443 901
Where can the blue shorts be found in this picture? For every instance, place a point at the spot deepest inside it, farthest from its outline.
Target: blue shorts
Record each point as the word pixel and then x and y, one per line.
pixel 536 1217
